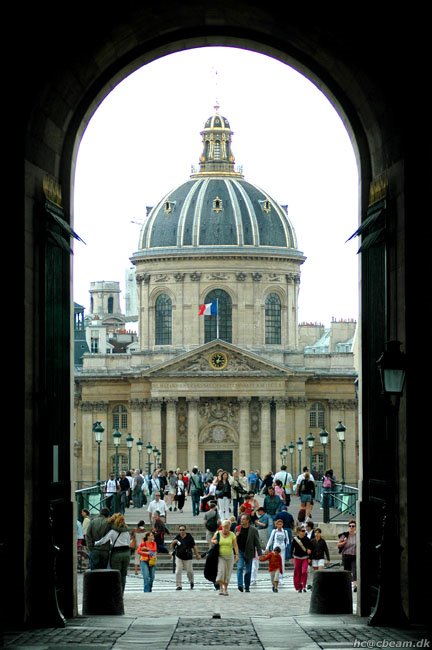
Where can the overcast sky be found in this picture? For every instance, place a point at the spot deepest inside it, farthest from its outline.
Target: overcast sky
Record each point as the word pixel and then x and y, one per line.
pixel 145 136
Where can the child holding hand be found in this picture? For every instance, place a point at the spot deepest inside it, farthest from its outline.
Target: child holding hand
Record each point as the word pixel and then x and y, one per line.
pixel 275 566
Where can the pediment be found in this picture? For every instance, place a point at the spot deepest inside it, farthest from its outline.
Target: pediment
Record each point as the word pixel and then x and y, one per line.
pixel 200 362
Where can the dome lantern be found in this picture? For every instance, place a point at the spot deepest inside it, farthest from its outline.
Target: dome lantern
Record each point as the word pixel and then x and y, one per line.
pixel 217 156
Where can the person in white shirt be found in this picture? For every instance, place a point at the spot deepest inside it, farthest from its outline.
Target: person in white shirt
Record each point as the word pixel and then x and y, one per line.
pixel 287 482
pixel 300 477
pixel 111 486
pixel 157 504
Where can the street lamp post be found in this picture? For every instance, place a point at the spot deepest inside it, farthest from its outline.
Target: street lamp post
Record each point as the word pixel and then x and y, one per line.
pixel 388 610
pixel 310 440
pixel 156 453
pixel 340 430
pixel 283 454
pixel 140 446
pixel 299 444
pixel 116 439
pixel 291 448
pixel 129 443
pixel 323 435
pixel 149 449
pixel 98 431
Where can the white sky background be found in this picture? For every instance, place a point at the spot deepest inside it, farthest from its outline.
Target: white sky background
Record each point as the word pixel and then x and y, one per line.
pixel 143 139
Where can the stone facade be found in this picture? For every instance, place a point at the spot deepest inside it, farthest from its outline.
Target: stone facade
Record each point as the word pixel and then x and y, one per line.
pixel 233 400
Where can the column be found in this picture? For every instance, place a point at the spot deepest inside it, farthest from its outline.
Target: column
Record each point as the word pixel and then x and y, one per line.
pixel 136 407
pixel 192 453
pixel 156 423
pixel 281 430
pixel 244 435
pixel 265 436
pixel 171 435
pixel 88 462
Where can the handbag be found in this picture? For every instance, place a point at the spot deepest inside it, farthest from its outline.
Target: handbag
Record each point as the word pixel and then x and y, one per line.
pixel 132 544
pixel 108 566
pixel 152 560
pixel 211 562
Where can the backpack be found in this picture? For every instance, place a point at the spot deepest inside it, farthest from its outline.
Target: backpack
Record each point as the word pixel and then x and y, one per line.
pixel 326 482
pixel 212 523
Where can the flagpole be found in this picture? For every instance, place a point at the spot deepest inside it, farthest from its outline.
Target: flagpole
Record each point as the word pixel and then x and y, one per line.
pixel 217 318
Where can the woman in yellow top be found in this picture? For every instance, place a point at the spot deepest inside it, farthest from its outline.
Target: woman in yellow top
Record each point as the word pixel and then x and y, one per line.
pixel 228 553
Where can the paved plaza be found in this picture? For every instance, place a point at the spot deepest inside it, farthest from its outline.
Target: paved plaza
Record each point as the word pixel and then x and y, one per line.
pixel 167 619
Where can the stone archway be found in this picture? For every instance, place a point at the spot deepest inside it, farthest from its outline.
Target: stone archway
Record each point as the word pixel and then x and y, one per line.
pixel 62 90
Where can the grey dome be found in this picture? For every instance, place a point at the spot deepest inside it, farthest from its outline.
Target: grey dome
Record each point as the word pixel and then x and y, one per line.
pixel 214 212
pixel 217 210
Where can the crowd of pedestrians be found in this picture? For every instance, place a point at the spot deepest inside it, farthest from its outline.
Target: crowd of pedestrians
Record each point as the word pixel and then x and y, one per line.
pixel 245 530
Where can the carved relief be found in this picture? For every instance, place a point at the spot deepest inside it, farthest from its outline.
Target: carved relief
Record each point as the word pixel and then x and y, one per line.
pixel 240 277
pixel 256 277
pixel 179 277
pixel 237 365
pixel 274 277
pixel 341 404
pixel 195 276
pixel 218 434
pixel 293 402
pixel 182 420
pixel 161 277
pixel 217 276
pixel 220 410
pixel 143 277
pixel 293 278
pixel 255 426
pixel 136 404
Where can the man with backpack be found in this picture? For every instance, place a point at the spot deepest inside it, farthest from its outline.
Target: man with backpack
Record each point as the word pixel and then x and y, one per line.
pixel 287 482
pixel 306 492
pixel 211 522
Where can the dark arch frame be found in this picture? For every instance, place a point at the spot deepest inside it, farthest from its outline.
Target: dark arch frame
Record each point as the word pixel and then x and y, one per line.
pixel 64 86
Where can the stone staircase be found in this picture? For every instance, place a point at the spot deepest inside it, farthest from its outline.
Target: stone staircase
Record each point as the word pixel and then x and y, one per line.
pixel 198 532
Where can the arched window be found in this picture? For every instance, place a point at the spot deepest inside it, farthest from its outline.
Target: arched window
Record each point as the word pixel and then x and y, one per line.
pixel 272 319
pixel 120 417
pixel 110 305
pixel 163 320
pixel 225 317
pixel 316 415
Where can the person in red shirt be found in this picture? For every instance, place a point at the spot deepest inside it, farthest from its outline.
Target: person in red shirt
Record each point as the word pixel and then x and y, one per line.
pixel 275 566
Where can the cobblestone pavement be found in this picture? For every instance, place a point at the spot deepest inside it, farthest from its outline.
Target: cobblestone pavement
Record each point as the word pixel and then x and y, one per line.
pixel 192 619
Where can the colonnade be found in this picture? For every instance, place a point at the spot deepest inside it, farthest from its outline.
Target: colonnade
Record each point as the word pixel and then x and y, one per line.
pixel 156 420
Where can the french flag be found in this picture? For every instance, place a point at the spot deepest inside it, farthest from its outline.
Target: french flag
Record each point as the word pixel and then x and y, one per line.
pixel 209 309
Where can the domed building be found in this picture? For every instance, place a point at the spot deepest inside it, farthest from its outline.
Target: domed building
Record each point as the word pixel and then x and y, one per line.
pixel 224 375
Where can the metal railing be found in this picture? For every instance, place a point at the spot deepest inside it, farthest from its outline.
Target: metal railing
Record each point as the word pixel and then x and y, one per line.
pixel 342 498
pixel 94 500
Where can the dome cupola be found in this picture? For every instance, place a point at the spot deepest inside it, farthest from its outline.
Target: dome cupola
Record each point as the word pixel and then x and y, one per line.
pixel 217 211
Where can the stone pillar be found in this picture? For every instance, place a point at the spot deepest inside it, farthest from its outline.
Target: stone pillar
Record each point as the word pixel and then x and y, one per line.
pixel 170 462
pixel 244 435
pixel 265 436
pixel 281 430
pixel 192 454
pixel 136 407
pixel 88 460
pixel 143 280
pixel 156 423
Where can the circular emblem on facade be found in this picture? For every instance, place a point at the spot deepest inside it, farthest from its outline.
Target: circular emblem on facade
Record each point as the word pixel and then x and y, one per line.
pixel 218 434
pixel 218 360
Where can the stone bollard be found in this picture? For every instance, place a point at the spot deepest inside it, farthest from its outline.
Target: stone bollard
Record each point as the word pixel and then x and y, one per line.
pixel 102 592
pixel 331 592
